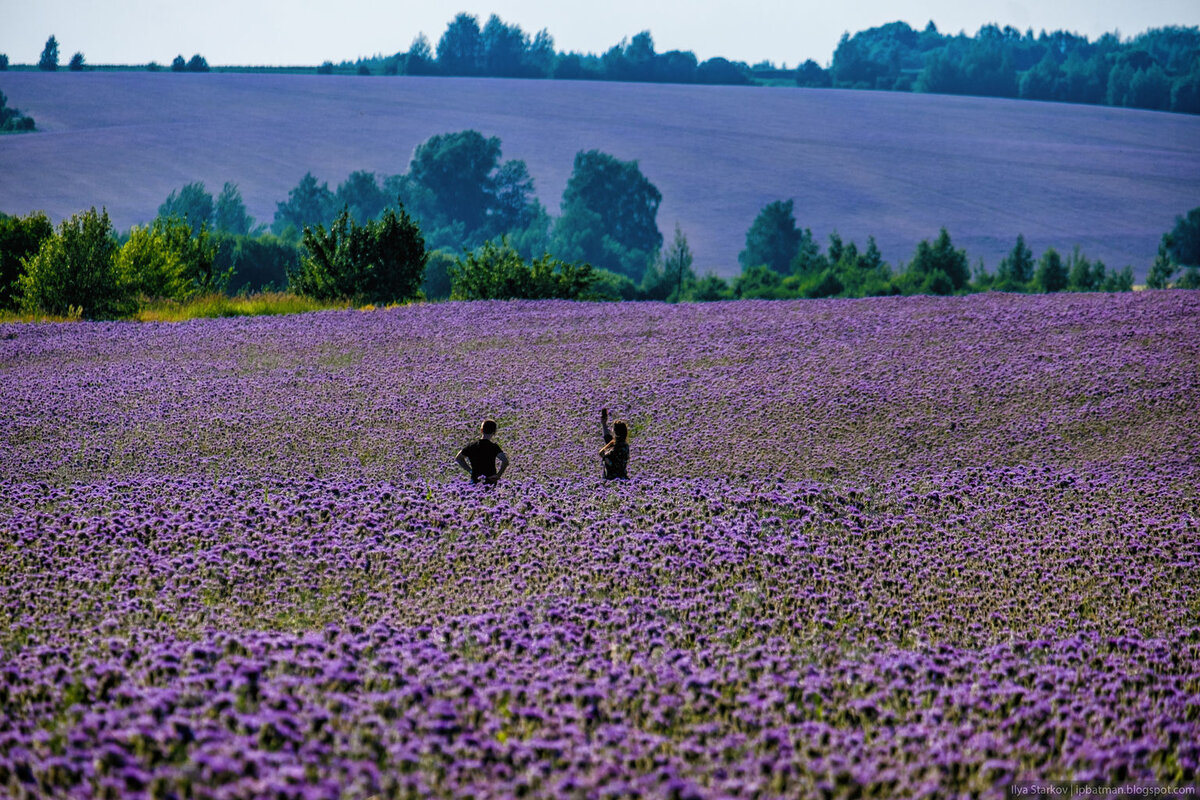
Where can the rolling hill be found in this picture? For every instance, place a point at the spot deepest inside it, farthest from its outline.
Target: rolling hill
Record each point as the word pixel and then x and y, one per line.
pixel 894 165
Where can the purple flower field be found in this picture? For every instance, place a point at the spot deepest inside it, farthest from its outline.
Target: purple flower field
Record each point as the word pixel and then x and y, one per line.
pixel 895 166
pixel 902 547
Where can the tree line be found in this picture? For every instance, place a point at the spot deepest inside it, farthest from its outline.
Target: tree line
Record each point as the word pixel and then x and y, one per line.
pixel 1158 69
pixel 463 223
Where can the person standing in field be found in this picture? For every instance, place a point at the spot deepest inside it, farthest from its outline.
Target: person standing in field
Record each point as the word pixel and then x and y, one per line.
pixel 615 452
pixel 479 457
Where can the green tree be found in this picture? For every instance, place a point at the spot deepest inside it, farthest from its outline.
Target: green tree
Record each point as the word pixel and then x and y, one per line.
pixel 192 203
pixel 1164 266
pixel 504 48
pixel 773 239
pixel 460 50
pixel 496 271
pixel 811 75
pixel 1185 239
pixel 76 64
pixel 3 62
pixel 308 204
pixel 254 263
pixel 380 261
pixel 1084 275
pixel 759 282
pixel 437 285
pixel 197 64
pixel 49 60
pixel 1051 274
pixel 75 271
pixel 419 59
pixel 150 264
pixel 1016 268
pixel 11 119
pixel 938 268
pixel 362 194
pixel 229 212
pixel 20 239
pixel 178 64
pixel 609 215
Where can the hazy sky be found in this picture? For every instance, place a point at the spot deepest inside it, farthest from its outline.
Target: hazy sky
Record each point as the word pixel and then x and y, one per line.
pixel 286 32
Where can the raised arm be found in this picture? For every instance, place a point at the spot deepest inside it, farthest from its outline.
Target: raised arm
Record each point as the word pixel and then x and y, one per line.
pixel 604 431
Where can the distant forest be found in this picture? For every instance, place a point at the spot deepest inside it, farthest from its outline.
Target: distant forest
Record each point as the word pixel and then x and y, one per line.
pixel 1158 69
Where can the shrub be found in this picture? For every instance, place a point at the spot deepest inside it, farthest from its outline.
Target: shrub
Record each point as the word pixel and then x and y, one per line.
pixel 75 271
pixel 380 261
pixel 20 238
pixel 497 272
pixel 150 266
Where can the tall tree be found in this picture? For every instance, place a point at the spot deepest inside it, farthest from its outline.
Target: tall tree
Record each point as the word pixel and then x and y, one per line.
pixel 49 60
pixel 1016 268
pixel 76 64
pixel 773 238
pixel 1051 274
pixel 460 50
pixel 230 211
pixel 308 204
pixel 609 215
pixel 360 193
pixel 193 204
pixel 1185 239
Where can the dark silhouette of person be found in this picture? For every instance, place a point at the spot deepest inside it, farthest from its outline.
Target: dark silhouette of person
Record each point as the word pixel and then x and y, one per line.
pixel 615 452
pixel 480 456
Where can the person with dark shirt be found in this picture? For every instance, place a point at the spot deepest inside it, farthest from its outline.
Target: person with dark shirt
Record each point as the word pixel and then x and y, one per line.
pixel 479 457
pixel 615 452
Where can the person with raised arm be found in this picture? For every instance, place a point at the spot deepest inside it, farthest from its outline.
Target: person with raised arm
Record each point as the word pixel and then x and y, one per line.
pixel 615 452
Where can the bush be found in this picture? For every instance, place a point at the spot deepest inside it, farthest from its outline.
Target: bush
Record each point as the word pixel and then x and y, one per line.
pixel 380 261
pixel 255 264
pixel 75 272
pixel 150 266
pixel 20 238
pixel 437 275
pixel 497 272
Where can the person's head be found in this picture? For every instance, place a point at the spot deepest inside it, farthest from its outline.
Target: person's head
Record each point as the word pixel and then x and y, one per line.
pixel 620 430
pixel 488 428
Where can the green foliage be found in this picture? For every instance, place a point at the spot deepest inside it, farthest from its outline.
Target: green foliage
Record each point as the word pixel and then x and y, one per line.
pixel 1184 242
pixel 1051 274
pixel 229 213
pixel 938 268
pixel 197 64
pixel 192 203
pixel 1016 269
pixel 1164 266
pixel 254 263
pixel 326 68
pixel 307 205
pixel 437 285
pixel 76 64
pixel 773 239
pixel 362 195
pixel 610 286
pixel 460 50
pixel 496 271
pixel 1190 279
pixel 75 273
pixel 811 75
pixel 760 282
pixel 49 58
pixel 708 289
pixel 150 264
pixel 20 239
pixel 178 64
pixel 3 62
pixel 196 253
pixel 463 195
pixel 11 119
pixel 609 215
pixel 380 261
pixel 671 277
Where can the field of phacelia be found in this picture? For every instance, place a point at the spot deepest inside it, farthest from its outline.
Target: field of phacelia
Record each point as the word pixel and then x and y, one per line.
pixel 906 547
